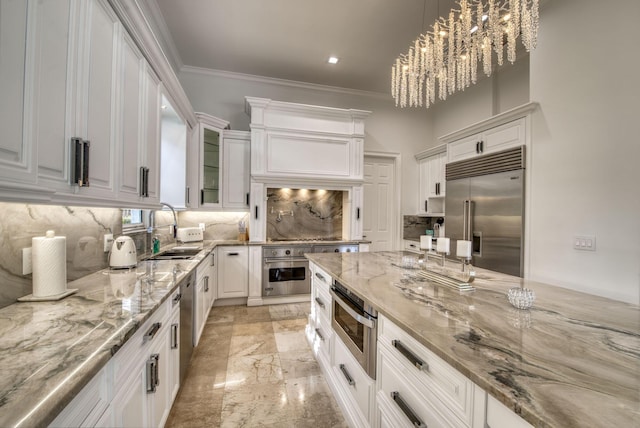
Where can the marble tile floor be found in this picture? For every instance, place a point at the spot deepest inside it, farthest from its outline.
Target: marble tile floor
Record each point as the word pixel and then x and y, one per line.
pixel 252 368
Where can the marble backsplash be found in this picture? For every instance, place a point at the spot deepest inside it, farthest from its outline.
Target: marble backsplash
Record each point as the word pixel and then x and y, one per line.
pixel 414 226
pixel 304 214
pixel 84 229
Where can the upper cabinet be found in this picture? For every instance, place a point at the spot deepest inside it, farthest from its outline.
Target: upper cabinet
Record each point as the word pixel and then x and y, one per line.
pixel 431 188
pixel 500 132
pixel 236 149
pixel 80 107
pixel 206 152
pixel 305 142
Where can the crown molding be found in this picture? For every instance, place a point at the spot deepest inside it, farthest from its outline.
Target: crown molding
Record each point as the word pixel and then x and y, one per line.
pixel 284 82
pixel 157 22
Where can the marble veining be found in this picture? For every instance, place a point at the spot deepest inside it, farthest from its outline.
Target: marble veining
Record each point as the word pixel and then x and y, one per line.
pixel 573 360
pixel 303 213
pixel 48 347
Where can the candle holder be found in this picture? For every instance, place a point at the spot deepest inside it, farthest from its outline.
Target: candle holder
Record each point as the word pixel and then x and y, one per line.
pixel 521 298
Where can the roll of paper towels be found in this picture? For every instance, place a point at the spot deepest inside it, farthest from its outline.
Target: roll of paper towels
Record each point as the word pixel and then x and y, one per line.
pixel 49 259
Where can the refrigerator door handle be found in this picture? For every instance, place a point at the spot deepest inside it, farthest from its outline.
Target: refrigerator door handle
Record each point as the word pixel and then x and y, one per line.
pixel 466 220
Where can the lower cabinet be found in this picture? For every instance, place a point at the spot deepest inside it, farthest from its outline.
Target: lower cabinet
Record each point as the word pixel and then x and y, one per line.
pixel 138 385
pixel 233 271
pixel 205 291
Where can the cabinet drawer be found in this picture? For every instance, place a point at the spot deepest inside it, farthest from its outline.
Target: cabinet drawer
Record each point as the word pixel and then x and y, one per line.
pixel 321 279
pixel 451 388
pixel 402 403
pixel 323 334
pixel 126 360
pixel 345 367
pixel 322 301
pixel 413 246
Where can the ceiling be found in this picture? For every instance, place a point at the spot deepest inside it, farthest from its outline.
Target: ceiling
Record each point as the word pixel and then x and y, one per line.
pixel 292 39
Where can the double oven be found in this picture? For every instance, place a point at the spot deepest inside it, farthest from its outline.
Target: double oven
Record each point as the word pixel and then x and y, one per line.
pixel 285 269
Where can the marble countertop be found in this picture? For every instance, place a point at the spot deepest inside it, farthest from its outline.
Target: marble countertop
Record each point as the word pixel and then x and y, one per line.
pixel 50 350
pixel 573 360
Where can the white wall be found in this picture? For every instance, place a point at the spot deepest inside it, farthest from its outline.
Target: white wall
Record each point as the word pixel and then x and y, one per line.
pixel 388 129
pixel 586 151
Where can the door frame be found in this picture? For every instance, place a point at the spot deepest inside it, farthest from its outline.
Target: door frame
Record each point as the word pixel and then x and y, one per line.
pixel 396 211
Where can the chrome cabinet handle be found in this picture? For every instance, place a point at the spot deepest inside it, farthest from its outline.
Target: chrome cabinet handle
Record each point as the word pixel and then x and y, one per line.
pixel 256 215
pixel 80 159
pixel 320 302
pixel 174 336
pixel 409 413
pixel 319 334
pixel 421 365
pixel 213 259
pixel 206 284
pixel 152 373
pixel 247 199
pixel 347 375
pixel 321 277
pixel 152 331
pixel 177 298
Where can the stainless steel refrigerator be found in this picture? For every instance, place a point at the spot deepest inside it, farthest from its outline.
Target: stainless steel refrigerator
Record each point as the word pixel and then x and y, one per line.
pixel 485 204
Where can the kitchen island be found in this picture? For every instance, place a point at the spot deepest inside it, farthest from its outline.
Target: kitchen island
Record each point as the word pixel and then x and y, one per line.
pixel 573 360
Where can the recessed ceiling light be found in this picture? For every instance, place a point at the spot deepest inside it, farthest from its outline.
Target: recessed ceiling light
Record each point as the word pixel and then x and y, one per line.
pixel 333 60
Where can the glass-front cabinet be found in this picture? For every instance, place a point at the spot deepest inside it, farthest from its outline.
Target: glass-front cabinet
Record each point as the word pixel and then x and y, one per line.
pixel 210 186
pixel 209 159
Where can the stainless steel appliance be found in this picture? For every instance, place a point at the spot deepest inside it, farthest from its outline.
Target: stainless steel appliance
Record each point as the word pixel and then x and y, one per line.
pixel 485 204
pixel 355 322
pixel 285 269
pixel 187 290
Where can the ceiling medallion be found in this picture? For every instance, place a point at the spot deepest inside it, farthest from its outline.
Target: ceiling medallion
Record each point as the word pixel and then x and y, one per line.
pixel 449 54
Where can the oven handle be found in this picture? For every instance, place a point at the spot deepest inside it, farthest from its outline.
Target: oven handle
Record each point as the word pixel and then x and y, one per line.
pixel 361 319
pixel 289 260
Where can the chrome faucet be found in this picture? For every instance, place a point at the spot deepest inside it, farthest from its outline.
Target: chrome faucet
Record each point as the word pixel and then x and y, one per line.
pixel 152 220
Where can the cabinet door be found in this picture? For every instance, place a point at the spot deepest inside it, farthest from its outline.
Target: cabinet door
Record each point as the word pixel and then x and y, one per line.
pixel 503 137
pixel 98 95
pixel 210 167
pixel 357 212
pixel 130 138
pixel 16 151
pixel 130 406
pixel 464 148
pixel 159 400
pixel 236 167
pixel 257 213
pixel 54 78
pixel 151 123
pixel 233 274
pixel 173 343
pixel 423 187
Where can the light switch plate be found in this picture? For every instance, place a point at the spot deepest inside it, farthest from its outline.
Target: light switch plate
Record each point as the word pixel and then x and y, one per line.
pixel 27 267
pixel 584 242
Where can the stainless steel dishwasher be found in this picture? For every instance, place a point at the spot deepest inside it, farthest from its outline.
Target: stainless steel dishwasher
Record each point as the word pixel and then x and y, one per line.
pixel 187 290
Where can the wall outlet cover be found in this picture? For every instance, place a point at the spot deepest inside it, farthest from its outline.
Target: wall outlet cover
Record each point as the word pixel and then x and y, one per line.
pixel 27 267
pixel 108 242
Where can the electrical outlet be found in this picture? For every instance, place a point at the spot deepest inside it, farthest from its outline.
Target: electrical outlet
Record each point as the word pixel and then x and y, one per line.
pixel 584 242
pixel 108 242
pixel 202 226
pixel 27 267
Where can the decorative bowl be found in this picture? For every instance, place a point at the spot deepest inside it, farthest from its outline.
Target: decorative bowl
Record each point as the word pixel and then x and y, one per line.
pixel 521 298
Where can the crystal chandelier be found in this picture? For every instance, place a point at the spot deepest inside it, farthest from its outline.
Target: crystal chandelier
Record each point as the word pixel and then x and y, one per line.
pixel 449 54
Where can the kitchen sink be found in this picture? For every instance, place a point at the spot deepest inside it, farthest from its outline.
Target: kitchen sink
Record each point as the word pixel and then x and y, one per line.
pixel 176 254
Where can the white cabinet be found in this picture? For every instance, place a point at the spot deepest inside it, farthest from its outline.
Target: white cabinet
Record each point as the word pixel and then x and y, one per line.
pixel 305 142
pixel 80 114
pixel 236 151
pixel 406 366
pixel 499 416
pixel 205 292
pixel 233 272
pixel 88 406
pixel 412 246
pixel 356 213
pixel 174 136
pixel 501 137
pixel 206 152
pixel 431 188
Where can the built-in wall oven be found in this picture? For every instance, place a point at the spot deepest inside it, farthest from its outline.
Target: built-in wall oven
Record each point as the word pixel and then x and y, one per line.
pixel 355 322
pixel 285 269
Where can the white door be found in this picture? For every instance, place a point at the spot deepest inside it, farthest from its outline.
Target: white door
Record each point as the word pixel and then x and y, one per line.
pixel 380 203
